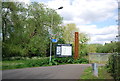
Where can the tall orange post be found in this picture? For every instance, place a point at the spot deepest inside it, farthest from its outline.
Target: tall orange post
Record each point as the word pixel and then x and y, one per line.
pixel 76 45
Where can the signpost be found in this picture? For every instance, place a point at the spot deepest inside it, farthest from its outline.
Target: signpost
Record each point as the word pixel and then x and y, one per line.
pixel 63 50
pixel 76 45
pixel 52 40
pixel 95 69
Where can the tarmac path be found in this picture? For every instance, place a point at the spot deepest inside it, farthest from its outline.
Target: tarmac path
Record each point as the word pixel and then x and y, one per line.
pixel 68 71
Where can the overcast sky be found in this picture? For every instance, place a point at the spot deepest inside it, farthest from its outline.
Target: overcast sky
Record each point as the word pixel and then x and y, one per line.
pixel 97 18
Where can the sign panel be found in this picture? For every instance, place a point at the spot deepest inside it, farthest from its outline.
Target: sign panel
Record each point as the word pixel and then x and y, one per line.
pixel 54 40
pixel 63 50
pixel 66 50
pixel 58 50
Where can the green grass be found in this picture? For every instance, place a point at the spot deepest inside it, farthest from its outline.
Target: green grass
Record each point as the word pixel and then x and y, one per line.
pixel 37 62
pixel 102 73
pixel 15 64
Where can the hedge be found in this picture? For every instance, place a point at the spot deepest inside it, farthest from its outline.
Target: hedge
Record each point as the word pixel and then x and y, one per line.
pixel 113 66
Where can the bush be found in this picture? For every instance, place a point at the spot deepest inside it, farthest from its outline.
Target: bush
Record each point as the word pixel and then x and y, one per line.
pixel 113 66
pixel 82 60
pixel 36 62
pixel 68 60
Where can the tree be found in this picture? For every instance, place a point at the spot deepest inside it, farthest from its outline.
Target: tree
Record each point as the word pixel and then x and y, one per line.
pixel 83 39
pixel 26 28
pixel 109 47
pixel 12 26
pixel 69 31
pixel 69 34
pixel 91 48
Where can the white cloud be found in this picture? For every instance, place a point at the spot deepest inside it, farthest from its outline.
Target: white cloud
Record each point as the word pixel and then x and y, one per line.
pixel 94 30
pixel 99 35
pixel 25 1
pixel 84 11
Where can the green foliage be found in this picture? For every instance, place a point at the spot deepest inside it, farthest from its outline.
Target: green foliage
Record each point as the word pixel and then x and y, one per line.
pixel 91 48
pixel 87 48
pixel 61 41
pixel 68 60
pixel 69 37
pixel 33 62
pixel 83 38
pixel 113 66
pixel 117 47
pixel 83 47
pixel 69 31
pixel 107 48
pixel 63 60
pixel 102 74
pixel 69 34
pixel 26 29
pixel 36 62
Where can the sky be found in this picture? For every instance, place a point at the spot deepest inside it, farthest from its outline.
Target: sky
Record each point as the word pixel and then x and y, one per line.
pixel 97 18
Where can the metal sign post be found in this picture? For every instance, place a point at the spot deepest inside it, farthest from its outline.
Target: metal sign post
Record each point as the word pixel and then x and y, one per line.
pixel 95 69
pixel 52 40
pixel 50 50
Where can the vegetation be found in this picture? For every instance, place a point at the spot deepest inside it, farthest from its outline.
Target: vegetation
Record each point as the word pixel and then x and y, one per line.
pixel 70 30
pixel 102 74
pixel 27 30
pixel 26 33
pixel 99 48
pixel 113 66
pixel 38 61
pixel 108 48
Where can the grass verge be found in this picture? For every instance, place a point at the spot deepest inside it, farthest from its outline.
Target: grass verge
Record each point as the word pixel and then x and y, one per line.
pixel 102 73
pixel 37 62
pixel 15 64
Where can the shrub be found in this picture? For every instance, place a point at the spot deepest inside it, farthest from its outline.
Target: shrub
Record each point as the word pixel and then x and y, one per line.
pixel 68 60
pixel 36 62
pixel 113 66
pixel 81 60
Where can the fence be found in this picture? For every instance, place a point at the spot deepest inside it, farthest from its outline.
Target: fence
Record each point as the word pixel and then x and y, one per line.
pixel 112 61
pixel 100 58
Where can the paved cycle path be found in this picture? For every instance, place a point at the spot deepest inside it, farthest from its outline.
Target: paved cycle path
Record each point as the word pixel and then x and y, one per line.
pixel 68 71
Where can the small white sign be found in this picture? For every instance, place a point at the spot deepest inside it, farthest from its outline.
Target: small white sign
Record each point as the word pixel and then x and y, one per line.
pixel 58 50
pixel 66 51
